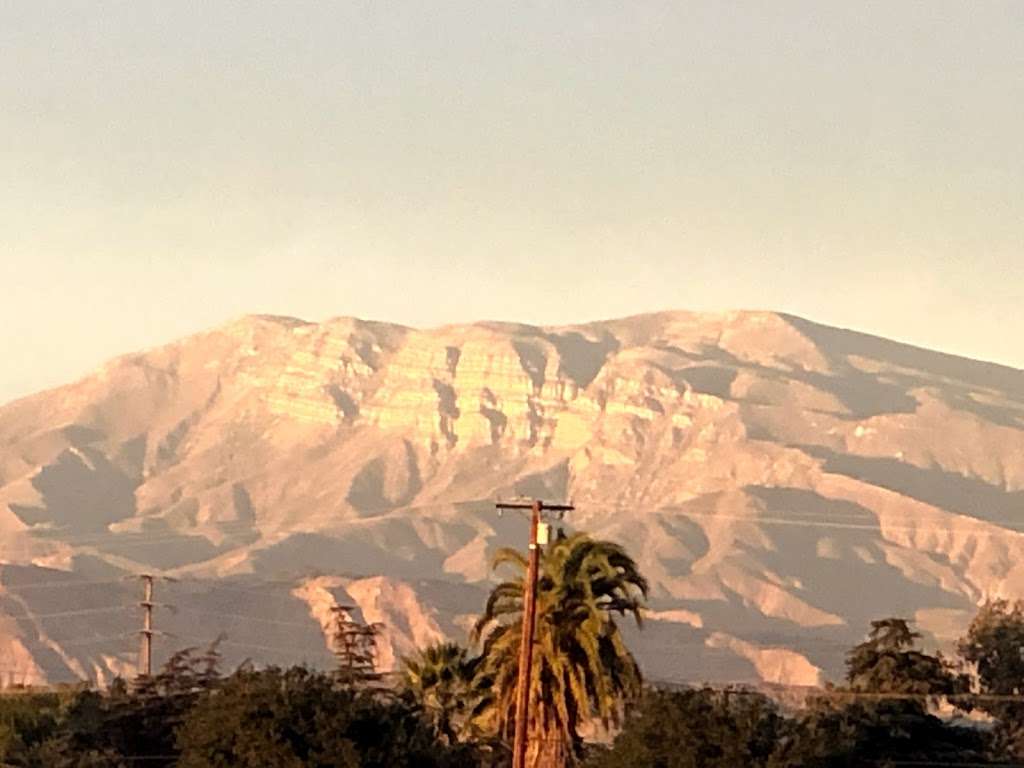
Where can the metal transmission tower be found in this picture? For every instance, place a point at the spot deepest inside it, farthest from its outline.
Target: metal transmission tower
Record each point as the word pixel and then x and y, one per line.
pixel 537 509
pixel 147 632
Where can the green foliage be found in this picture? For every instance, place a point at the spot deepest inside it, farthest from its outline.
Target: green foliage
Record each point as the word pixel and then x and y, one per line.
pixel 126 725
pixel 27 719
pixel 582 671
pixel 888 661
pixel 452 708
pixel 994 646
pixel 293 718
pixel 189 716
pixel 440 680
pixel 883 712
pixel 695 729
pixel 882 715
pixel 856 733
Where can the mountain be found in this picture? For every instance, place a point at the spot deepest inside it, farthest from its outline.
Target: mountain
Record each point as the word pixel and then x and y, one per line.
pixel 780 482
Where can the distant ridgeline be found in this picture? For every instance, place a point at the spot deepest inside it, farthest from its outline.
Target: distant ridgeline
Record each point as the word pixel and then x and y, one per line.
pixel 780 483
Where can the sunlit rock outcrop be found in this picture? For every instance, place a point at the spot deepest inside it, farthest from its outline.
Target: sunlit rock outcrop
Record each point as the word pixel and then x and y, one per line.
pixel 780 482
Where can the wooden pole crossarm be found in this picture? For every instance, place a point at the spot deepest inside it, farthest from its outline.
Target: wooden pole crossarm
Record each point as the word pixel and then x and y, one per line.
pixel 537 508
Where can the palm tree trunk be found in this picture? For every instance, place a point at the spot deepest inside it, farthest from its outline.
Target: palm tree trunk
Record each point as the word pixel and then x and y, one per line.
pixel 548 751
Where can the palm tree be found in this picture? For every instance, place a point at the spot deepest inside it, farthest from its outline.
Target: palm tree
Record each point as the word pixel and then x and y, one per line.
pixel 440 679
pixel 582 672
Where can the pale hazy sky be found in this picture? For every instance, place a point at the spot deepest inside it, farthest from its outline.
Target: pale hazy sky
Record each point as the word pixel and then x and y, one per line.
pixel 167 165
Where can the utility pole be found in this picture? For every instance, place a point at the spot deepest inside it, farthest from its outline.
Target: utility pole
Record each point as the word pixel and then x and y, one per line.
pixel 537 509
pixel 146 633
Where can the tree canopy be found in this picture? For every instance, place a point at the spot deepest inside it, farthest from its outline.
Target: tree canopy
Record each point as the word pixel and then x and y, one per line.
pixel 441 680
pixel 290 718
pixel 700 728
pixel 582 670
pixel 455 704
pixel 994 647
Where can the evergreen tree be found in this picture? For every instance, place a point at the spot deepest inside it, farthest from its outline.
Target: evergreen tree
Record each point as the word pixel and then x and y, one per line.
pixel 700 728
pixel 354 647
pixel 884 711
pixel 888 661
pixel 994 646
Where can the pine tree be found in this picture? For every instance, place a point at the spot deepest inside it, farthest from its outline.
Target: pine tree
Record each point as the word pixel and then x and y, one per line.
pixel 354 647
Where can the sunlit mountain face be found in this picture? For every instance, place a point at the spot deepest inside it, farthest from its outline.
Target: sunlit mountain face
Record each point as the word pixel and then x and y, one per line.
pixel 781 483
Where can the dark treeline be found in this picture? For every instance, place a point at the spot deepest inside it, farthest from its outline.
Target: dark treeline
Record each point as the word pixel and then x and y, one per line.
pixel 897 705
pixel 190 716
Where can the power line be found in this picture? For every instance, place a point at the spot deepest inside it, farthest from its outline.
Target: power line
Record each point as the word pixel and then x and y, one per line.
pixel 212 583
pixel 224 641
pixel 137 537
pixel 840 520
pixel 254 589
pixel 71 582
pixel 833 693
pixel 61 614
pixel 227 528
pixel 259 619
pixel 124 636
pixel 257 592
pixel 977 529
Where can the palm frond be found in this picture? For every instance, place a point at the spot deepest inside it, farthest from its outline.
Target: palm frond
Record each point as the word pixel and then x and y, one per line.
pixel 582 668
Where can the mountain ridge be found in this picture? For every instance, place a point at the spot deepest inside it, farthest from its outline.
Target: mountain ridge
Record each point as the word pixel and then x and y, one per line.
pixel 293 320
pixel 748 459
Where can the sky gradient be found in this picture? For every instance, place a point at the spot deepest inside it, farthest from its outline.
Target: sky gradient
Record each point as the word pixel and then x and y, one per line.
pixel 165 166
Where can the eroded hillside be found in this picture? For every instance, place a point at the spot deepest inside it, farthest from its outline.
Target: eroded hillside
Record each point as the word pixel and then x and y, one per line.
pixel 780 482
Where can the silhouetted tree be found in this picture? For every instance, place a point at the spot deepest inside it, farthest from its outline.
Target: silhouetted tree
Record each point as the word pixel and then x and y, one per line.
pixel 294 718
pixel 884 711
pixel 354 647
pixel 994 646
pixel 27 720
pixel 700 728
pixel 126 725
pixel 888 661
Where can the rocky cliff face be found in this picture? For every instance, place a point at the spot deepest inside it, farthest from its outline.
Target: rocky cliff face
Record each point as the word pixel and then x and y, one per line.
pixel 780 482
